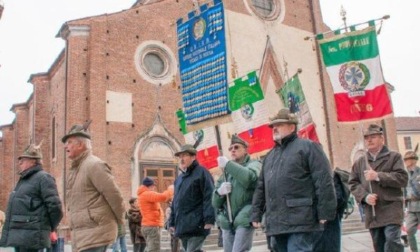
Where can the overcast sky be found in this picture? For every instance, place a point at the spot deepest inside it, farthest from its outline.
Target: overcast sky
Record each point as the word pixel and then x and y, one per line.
pixel 28 44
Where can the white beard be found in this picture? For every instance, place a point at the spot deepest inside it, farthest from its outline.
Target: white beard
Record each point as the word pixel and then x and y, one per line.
pixel 277 137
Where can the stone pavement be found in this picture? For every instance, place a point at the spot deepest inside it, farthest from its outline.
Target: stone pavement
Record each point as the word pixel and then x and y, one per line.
pixel 356 242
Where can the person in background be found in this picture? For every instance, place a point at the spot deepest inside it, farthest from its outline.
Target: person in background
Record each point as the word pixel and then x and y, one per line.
pixel 34 207
pixel 2 220
pixel 376 181
pixel 94 200
pixel 120 244
pixel 175 245
pixel 134 223
pixel 295 189
pixel 151 212
pixel 238 180
pixel 412 198
pixel 192 215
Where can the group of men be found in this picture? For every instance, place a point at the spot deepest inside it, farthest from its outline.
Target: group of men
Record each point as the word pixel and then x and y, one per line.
pixel 293 190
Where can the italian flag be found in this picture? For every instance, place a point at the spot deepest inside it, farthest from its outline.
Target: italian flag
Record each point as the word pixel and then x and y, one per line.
pixel 250 114
pixel 353 65
pixel 207 150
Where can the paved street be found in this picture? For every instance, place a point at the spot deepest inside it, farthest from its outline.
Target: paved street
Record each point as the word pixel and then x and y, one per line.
pixel 357 242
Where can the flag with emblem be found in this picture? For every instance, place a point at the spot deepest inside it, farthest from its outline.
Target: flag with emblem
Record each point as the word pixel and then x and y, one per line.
pixel 249 113
pixel 205 143
pixel 353 65
pixel 293 97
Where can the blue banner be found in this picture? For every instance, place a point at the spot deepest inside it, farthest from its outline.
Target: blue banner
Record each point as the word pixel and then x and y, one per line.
pixel 203 64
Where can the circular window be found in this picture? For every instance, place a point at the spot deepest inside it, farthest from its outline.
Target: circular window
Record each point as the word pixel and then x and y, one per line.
pixel 266 9
pixel 155 62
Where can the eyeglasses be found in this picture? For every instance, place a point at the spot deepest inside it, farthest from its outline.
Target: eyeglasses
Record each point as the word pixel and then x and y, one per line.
pixel 234 147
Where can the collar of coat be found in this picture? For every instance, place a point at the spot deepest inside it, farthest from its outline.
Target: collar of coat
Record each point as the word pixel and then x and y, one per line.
pixel 78 160
pixel 29 172
pixel 191 167
pixel 384 152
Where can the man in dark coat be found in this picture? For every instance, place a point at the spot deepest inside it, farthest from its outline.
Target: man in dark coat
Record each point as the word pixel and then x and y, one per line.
pixel 377 184
pixel 34 208
pixel 134 223
pixel 295 189
pixel 192 215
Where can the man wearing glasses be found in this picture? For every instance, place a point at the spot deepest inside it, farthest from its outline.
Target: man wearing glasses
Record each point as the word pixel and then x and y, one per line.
pixel 238 180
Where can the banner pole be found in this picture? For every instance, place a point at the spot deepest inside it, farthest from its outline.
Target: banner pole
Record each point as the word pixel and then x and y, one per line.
pixel 219 146
pixel 367 167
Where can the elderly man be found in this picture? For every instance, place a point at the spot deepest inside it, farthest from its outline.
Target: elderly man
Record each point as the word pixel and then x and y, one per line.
pixel 239 180
pixel 95 203
pixel 192 215
pixel 34 208
pixel 295 189
pixel 376 181
pixel 412 198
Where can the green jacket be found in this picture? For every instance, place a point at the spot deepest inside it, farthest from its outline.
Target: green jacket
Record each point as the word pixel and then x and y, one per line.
pixel 244 180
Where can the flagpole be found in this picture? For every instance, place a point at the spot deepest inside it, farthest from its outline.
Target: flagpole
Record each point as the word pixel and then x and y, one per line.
pixel 345 28
pixel 366 153
pixel 219 146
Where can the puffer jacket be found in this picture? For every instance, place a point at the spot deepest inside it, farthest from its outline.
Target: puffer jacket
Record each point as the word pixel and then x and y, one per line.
pixel 33 211
pixel 95 203
pixel 191 208
pixel 295 188
pixel 243 178
pixel 392 179
pixel 149 205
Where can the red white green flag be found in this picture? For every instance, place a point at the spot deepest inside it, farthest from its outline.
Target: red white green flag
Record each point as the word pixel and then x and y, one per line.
pixel 293 97
pixel 250 114
pixel 207 150
pixel 353 65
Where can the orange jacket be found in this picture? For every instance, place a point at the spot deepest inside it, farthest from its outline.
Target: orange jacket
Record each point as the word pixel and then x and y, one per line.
pixel 149 205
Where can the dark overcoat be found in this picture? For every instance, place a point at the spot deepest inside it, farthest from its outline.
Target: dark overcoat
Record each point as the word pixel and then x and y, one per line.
pixel 392 179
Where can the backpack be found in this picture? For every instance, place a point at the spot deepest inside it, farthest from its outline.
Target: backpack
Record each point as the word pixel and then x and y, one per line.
pixel 344 176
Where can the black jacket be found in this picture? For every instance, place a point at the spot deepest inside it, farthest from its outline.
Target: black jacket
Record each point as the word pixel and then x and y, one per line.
pixel 191 207
pixel 33 210
pixel 295 188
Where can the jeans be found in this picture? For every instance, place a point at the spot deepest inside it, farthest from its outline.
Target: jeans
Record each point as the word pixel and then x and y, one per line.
pixel 238 241
pixel 119 245
pixel 97 249
pixel 387 239
pixel 412 221
pixel 302 242
pixel 152 236
pixel 193 244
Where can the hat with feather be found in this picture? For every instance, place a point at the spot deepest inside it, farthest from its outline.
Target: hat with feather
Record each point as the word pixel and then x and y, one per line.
pixel 32 151
pixel 78 130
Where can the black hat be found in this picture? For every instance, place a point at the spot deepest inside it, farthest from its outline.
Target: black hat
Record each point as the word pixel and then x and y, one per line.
pixel 78 130
pixel 283 116
pixel 237 140
pixel 373 129
pixel 188 148
pixel 148 181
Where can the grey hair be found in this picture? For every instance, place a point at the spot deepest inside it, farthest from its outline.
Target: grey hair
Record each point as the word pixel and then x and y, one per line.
pixel 86 142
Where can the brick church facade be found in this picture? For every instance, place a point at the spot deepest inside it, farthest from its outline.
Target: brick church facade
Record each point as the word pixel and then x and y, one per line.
pixel 120 70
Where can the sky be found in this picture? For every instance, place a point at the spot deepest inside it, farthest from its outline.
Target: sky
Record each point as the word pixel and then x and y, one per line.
pixel 28 44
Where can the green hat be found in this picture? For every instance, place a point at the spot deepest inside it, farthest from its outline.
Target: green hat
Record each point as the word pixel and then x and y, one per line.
pixel 78 130
pixel 237 140
pixel 373 129
pixel 283 116
pixel 411 155
pixel 32 151
pixel 188 148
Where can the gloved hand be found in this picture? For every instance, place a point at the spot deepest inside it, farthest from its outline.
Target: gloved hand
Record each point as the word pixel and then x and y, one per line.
pixel 225 188
pixel 222 161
